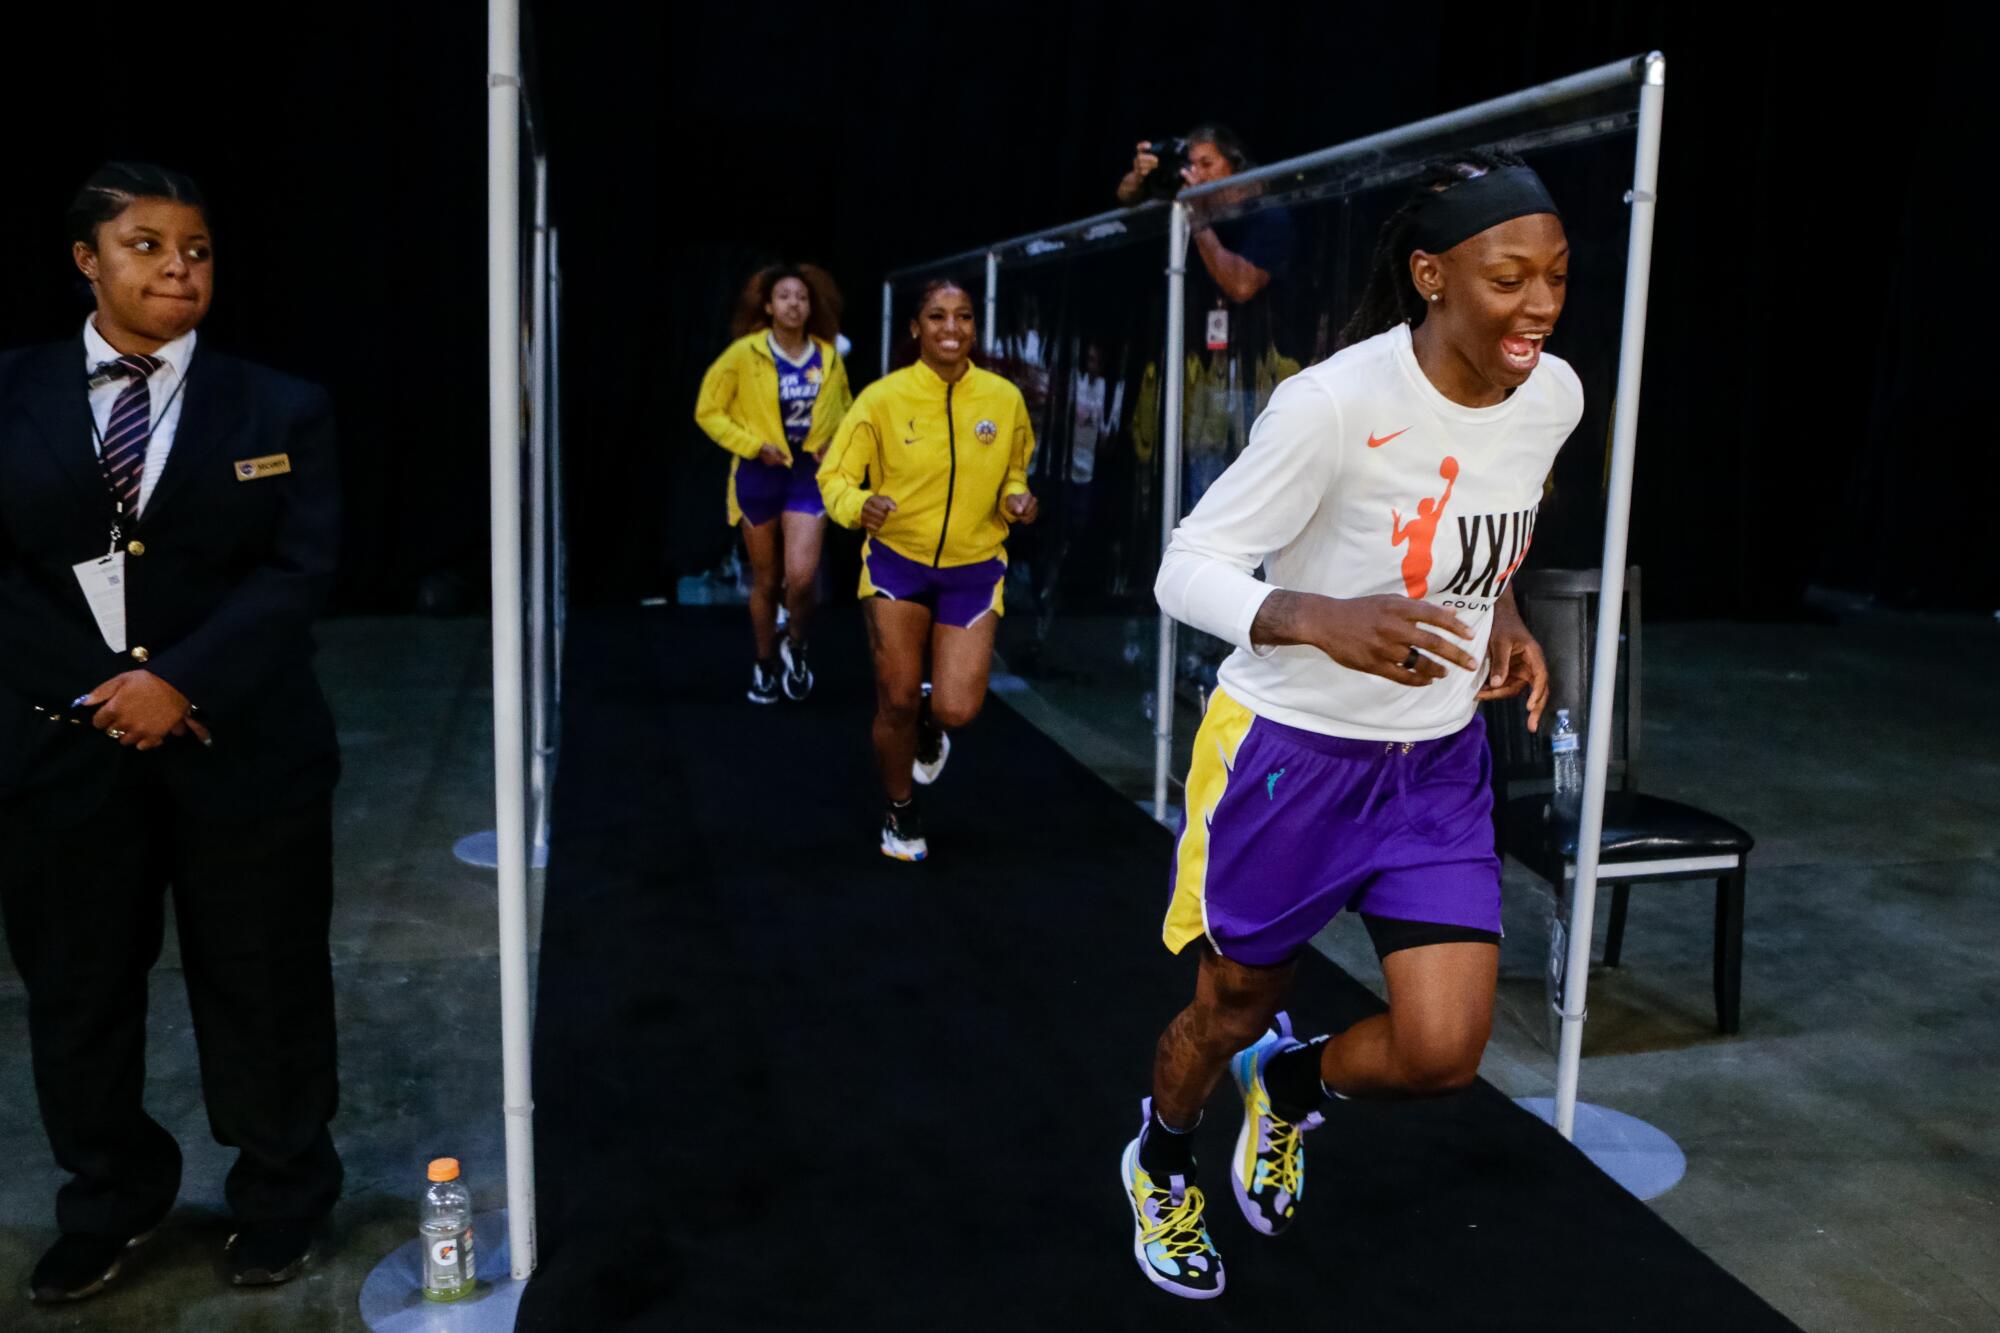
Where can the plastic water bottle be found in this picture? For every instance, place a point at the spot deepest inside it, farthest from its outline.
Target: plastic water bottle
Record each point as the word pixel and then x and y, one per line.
pixel 1568 756
pixel 446 1231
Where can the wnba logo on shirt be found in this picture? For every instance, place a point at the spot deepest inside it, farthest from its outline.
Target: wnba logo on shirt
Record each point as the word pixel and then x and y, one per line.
pixel 1420 531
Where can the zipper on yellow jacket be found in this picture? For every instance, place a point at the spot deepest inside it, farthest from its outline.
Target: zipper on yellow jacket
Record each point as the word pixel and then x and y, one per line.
pixel 932 475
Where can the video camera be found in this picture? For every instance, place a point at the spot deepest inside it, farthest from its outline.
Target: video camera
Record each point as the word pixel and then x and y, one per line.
pixel 1164 181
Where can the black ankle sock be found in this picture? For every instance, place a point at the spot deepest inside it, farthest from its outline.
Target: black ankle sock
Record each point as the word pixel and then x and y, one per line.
pixel 1292 1079
pixel 1165 1151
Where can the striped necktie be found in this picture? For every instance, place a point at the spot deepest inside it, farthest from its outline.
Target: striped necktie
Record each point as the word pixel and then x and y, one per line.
pixel 130 430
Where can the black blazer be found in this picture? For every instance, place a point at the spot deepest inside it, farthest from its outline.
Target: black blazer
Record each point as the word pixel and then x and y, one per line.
pixel 221 599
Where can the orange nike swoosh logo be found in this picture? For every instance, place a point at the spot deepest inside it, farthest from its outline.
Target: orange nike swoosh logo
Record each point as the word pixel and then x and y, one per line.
pixel 1374 443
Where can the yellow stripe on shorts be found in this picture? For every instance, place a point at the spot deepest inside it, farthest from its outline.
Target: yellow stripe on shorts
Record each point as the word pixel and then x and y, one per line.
pixel 998 607
pixel 868 588
pixel 1215 745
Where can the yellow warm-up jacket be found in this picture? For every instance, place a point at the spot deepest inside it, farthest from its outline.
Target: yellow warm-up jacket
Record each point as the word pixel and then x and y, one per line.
pixel 738 404
pixel 947 454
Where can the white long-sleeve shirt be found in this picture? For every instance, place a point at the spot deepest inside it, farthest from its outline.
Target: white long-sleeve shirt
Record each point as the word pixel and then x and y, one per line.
pixel 1361 479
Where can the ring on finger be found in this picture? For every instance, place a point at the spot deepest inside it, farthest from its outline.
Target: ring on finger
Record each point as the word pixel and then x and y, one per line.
pixel 1410 662
pixel 115 733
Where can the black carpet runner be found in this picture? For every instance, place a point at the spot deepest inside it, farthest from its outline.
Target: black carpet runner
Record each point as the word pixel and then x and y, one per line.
pixel 784 1083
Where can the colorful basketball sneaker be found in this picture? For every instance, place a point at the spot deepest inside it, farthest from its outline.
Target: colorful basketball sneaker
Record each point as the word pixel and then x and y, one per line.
pixel 1169 1238
pixel 1269 1165
pixel 903 833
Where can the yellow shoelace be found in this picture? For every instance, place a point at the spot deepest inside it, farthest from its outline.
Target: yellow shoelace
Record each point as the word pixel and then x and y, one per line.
pixel 1289 1163
pixel 1285 1170
pixel 1179 1229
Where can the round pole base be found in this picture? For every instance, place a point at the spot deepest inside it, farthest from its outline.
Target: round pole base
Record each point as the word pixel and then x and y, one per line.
pixel 392 1296
pixel 1641 1158
pixel 483 850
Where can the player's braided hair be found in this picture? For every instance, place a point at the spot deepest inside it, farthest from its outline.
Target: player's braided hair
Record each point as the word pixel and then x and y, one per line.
pixel 1390 298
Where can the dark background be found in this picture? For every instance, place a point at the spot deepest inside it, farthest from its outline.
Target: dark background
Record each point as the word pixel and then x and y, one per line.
pixel 1819 287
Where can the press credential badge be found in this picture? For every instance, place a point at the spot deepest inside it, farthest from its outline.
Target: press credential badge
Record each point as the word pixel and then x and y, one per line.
pixel 1218 330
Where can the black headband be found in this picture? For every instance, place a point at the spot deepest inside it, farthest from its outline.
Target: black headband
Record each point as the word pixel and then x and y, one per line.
pixel 1471 206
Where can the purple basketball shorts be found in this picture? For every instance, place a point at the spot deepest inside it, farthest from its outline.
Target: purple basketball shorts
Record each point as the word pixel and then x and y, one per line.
pixel 957 595
pixel 763 492
pixel 1285 828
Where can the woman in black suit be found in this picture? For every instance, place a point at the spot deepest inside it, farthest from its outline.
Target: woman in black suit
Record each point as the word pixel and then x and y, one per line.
pixel 168 520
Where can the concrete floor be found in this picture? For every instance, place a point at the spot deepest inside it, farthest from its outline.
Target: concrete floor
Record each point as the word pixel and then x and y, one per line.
pixel 1843 1158
pixel 416 987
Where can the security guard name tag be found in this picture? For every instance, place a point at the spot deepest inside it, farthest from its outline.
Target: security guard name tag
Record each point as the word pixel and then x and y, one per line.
pixel 1218 330
pixel 256 469
pixel 103 582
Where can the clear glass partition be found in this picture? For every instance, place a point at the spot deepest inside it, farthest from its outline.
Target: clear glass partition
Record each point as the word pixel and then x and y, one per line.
pixel 1080 325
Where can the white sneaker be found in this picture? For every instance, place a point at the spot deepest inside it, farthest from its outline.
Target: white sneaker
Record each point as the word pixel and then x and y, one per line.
pixel 933 748
pixel 797 677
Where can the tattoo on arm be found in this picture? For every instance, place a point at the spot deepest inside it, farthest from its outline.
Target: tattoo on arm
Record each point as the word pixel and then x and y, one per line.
pixel 1280 620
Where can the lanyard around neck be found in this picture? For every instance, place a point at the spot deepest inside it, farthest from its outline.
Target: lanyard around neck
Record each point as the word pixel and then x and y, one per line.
pixel 97 437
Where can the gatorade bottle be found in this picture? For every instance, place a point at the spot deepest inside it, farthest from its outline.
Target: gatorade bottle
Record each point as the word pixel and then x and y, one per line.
pixel 446 1231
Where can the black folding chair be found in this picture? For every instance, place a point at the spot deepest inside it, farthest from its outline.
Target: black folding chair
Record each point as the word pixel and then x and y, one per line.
pixel 1647 839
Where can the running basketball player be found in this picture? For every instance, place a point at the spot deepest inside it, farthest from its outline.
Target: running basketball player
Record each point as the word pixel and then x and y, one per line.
pixel 1342 763
pixel 932 461
pixel 772 399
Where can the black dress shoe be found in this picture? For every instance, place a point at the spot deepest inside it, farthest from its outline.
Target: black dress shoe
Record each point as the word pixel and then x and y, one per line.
pixel 263 1254
pixel 79 1266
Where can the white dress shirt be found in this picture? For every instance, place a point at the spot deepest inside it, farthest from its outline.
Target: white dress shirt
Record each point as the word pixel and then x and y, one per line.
pixel 163 387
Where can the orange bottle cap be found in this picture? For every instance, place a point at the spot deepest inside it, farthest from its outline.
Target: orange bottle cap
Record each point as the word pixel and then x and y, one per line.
pixel 444 1168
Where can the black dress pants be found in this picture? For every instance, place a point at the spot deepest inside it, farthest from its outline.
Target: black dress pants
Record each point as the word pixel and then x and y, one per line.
pixel 84 911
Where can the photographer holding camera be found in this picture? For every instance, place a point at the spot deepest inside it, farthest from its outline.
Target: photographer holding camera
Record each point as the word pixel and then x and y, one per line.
pixel 1242 255
pixel 1234 320
pixel 1231 298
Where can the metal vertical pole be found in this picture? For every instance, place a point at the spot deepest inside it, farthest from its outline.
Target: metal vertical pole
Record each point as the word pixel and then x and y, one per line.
pixel 1611 601
pixel 558 579
pixel 538 511
pixel 992 338
pixel 503 346
pixel 1170 493
pixel 888 315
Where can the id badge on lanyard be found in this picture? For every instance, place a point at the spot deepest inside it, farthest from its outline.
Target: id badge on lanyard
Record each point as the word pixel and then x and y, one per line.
pixel 1218 329
pixel 103 584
